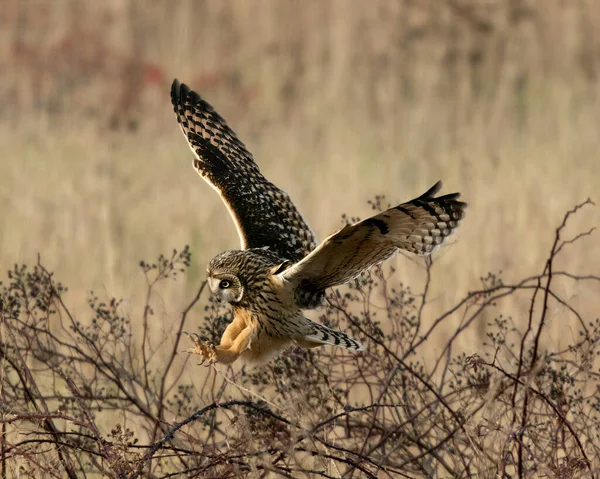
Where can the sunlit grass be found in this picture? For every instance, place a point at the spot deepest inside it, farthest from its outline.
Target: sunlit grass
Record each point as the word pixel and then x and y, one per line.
pixel 336 110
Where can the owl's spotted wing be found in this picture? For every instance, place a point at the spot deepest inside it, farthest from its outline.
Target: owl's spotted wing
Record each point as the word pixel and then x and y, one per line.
pixel 418 226
pixel 263 214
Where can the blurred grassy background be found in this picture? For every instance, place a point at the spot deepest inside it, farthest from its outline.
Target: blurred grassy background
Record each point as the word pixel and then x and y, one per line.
pixel 338 101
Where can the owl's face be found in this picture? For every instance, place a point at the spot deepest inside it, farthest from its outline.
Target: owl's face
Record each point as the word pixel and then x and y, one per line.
pixel 224 276
pixel 238 276
pixel 225 286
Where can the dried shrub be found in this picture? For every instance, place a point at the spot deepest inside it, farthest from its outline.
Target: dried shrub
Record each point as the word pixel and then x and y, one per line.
pixel 516 408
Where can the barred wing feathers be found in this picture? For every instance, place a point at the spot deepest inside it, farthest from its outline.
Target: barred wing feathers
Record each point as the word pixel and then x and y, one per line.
pixel 419 226
pixel 263 214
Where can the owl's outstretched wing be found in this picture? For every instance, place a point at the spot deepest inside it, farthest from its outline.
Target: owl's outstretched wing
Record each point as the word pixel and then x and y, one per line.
pixel 263 214
pixel 419 226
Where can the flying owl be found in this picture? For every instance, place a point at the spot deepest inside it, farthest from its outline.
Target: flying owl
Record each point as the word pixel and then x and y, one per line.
pixel 279 271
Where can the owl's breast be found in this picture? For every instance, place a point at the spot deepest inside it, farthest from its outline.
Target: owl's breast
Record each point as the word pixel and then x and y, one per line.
pixel 274 329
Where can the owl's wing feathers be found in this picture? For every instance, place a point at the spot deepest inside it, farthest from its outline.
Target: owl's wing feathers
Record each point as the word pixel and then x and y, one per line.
pixel 263 214
pixel 418 226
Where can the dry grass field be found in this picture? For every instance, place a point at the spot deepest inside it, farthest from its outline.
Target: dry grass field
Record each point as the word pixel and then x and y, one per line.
pixel 339 102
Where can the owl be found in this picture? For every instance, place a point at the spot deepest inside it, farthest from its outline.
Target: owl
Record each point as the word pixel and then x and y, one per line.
pixel 279 271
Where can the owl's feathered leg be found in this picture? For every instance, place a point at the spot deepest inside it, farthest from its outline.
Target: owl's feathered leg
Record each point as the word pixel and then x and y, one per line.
pixel 320 335
pixel 232 331
pixel 227 355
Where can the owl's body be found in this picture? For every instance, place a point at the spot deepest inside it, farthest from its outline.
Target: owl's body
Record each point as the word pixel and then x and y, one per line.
pixel 266 307
pixel 278 273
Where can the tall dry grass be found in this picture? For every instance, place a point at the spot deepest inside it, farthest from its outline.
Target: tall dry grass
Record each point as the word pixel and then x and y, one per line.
pixel 337 102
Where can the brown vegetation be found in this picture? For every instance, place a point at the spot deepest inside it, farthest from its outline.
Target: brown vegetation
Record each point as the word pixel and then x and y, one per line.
pixel 512 410
pixel 338 102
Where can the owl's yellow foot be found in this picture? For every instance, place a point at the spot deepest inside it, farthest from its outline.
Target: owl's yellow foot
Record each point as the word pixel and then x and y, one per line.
pixel 206 351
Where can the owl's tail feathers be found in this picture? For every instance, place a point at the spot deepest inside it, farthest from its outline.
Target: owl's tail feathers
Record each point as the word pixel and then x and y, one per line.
pixel 323 335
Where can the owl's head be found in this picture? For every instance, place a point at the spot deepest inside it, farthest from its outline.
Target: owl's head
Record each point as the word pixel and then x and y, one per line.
pixel 225 276
pixel 237 276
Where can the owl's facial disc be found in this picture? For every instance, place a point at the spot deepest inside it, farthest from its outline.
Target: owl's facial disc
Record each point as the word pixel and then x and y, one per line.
pixel 225 287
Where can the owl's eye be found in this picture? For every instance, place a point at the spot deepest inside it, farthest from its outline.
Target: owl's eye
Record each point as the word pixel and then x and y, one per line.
pixel 225 284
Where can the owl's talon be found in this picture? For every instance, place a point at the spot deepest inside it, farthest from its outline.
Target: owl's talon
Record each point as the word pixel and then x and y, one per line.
pixel 206 351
